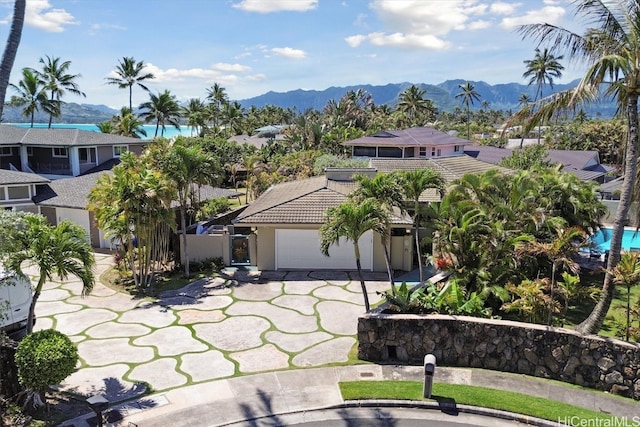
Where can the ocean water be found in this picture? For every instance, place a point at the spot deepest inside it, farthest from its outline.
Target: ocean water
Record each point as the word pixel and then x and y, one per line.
pixel 169 131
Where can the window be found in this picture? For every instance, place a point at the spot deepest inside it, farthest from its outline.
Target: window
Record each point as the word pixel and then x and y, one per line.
pixel 2 196
pixel 393 152
pixel 119 150
pixel 87 155
pixel 6 151
pixel 18 193
pixel 364 151
pixel 59 152
pixel 29 151
pixel 457 148
pixel 423 151
pixel 433 151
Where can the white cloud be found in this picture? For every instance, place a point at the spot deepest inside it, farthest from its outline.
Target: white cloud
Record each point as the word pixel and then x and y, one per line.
pixel 40 14
pixel 268 6
pixel 223 66
pixel 502 8
pixel 548 14
pixel 478 25
pixel 425 41
pixel 288 52
pixel 222 72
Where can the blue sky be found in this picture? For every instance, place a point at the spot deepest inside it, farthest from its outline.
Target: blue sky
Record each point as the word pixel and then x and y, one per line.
pixel 251 47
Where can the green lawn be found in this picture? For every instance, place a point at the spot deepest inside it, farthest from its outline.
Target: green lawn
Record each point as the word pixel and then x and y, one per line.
pixel 474 396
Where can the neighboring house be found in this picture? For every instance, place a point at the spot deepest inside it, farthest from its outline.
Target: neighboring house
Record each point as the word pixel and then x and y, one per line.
pixel 18 188
pixel 584 164
pixel 418 142
pixel 285 221
pixel 60 153
pixel 67 199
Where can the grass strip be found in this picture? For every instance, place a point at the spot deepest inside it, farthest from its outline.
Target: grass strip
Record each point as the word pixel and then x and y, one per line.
pixel 474 396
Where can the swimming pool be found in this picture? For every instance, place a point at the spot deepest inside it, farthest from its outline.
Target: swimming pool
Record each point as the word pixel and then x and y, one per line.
pixel 602 239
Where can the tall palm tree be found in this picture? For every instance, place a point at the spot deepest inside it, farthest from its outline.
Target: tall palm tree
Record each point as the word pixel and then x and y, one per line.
pixel 414 183
pixel 57 82
pixel 32 94
pixel 611 50
pixel 127 124
pixel 59 250
pixel 11 49
pixel 130 73
pixel 542 69
pixel 163 109
pixel 468 95
pixel 413 103
pixel 386 189
pixel 195 113
pixel 627 273
pixel 217 96
pixel 523 101
pixel 351 221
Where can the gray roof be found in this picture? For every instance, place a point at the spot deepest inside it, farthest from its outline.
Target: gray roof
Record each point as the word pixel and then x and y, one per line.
pixel 15 135
pixel 8 177
pixel 74 192
pixel 412 137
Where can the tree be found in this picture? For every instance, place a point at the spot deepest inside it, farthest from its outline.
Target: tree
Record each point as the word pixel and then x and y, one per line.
pixel 542 69
pixel 413 104
pixel 11 49
pixel 217 96
pixel 351 221
pixel 130 73
pixel 388 192
pixel 32 94
pixel 126 124
pixel 57 82
pixel 187 165
pixel 627 273
pixel 468 94
pixel 163 109
pixel 59 250
pixel 44 358
pixel 195 113
pixel 414 183
pixel 611 49
pixel 531 157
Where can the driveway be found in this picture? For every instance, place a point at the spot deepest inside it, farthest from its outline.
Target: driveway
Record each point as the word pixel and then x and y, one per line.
pixel 245 323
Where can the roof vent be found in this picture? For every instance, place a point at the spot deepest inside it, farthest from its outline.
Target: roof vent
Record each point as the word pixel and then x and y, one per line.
pixel 384 134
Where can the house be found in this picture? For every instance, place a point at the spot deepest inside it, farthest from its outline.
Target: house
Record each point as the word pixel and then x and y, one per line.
pixel 60 153
pixel 17 190
pixel 417 142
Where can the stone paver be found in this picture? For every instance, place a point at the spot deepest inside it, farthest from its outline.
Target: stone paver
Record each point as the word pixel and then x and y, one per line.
pixel 161 374
pixel 293 343
pixel 338 294
pixel 234 333
pixel 112 386
pixel 172 341
pixel 302 287
pixel 48 308
pixel 78 321
pixel 117 330
pixel 284 319
pixel 206 366
pixel 149 314
pixel 113 350
pixel 325 352
pixel 265 358
pixel 190 316
pixel 335 324
pixel 258 292
pixel 303 304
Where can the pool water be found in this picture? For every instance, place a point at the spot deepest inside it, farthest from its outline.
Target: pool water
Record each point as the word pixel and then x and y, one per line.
pixel 602 239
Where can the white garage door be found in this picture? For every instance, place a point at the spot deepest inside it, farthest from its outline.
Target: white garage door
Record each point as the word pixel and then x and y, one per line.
pixel 300 249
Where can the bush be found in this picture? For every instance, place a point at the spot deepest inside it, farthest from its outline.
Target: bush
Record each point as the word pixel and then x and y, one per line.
pixel 45 358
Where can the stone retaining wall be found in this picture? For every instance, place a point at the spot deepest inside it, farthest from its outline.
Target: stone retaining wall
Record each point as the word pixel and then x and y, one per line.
pixel 591 361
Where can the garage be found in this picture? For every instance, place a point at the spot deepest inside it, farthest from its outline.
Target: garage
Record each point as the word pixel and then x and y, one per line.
pixel 300 249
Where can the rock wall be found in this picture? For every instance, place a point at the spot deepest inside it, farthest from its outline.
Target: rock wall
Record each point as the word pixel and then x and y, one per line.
pixel 591 361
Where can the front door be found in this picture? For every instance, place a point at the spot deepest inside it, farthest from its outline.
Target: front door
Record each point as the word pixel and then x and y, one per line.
pixel 240 250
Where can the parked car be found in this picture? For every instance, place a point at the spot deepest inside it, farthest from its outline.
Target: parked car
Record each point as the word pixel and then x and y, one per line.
pixel 15 299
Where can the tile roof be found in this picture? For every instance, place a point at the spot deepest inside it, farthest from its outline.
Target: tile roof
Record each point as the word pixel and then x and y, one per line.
pixel 15 135
pixel 412 137
pixel 8 177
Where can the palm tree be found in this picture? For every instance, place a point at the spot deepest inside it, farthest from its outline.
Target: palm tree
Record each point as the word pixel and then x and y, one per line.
pixel 163 109
pixel 414 105
pixel 130 73
pixel 414 183
pixel 468 95
pixel 543 68
pixel 32 94
pixel 195 113
pixel 351 221
pixel 524 102
pixel 627 273
pixel 217 96
pixel 57 82
pixel 187 165
pixel 126 124
pixel 386 189
pixel 59 250
pixel 611 49
pixel 11 49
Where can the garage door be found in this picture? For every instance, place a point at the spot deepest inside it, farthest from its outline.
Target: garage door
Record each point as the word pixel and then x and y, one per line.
pixel 300 249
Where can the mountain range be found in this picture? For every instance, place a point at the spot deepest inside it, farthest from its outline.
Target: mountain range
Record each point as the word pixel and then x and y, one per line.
pixel 499 97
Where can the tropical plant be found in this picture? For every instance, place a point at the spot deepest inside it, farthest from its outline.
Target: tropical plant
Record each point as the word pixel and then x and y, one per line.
pixel 351 221
pixel 162 109
pixel 59 250
pixel 533 156
pixel 533 301
pixel 32 94
pixel 127 124
pixel 627 274
pixel 415 107
pixel 57 82
pixel 414 183
pixel 11 48
pixel 468 95
pixel 195 113
pixel 610 47
pixel 130 73
pixel 407 300
pixel 44 358
pixel 217 96
pixel 542 69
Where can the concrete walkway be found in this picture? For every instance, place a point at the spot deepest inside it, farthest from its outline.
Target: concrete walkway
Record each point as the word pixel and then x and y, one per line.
pixel 247 346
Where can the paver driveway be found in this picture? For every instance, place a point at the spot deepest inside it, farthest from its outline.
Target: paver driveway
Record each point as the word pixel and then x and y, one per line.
pixel 211 329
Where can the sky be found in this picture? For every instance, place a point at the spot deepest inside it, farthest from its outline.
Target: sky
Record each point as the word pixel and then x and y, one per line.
pixel 251 47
